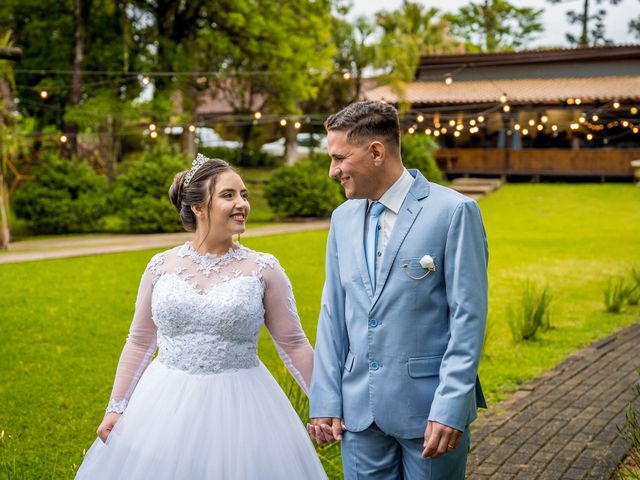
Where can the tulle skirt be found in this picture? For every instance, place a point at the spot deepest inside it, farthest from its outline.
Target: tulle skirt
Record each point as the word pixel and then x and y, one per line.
pixel 233 425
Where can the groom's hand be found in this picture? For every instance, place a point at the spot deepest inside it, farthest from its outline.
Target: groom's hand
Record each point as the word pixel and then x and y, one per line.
pixel 326 429
pixel 439 439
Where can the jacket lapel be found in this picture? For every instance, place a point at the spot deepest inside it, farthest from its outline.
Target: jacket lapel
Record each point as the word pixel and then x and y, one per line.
pixel 357 227
pixel 406 217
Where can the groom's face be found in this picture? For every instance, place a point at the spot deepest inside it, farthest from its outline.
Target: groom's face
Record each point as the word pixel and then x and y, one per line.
pixel 352 165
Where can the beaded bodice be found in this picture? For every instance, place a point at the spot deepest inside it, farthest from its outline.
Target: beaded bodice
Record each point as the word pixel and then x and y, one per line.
pixel 204 313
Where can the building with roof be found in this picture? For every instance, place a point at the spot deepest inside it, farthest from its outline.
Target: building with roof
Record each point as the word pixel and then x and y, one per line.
pixel 546 113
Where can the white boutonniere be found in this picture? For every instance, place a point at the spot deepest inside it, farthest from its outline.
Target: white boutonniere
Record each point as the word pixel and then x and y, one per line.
pixel 427 263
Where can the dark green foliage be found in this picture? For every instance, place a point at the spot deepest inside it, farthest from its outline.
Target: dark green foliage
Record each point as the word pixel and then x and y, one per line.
pixel 532 312
pixel 303 190
pixel 64 197
pixel 417 152
pixel 141 194
pixel 238 158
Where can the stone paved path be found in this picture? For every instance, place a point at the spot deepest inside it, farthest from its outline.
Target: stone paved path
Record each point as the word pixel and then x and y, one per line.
pixel 95 245
pixel 564 424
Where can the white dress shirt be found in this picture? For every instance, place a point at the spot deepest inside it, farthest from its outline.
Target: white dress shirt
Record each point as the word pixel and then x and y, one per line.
pixel 392 200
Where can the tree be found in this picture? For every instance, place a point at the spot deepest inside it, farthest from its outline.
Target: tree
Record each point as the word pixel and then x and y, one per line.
pixel 592 24
pixel 407 34
pixel 496 25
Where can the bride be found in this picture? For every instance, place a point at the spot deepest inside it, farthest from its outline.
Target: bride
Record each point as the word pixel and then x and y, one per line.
pixel 206 407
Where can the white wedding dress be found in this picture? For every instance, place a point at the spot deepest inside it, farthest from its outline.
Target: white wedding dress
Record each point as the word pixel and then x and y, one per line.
pixel 206 407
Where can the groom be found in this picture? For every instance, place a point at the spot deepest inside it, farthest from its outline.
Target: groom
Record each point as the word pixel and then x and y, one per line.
pixel 403 310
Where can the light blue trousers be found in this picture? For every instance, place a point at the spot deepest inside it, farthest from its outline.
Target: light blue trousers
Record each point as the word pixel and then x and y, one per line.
pixel 374 455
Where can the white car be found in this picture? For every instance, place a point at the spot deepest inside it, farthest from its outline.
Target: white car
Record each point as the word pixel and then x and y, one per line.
pixel 207 137
pixel 307 143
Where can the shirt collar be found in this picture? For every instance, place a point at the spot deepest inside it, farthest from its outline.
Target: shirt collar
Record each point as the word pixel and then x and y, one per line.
pixel 394 197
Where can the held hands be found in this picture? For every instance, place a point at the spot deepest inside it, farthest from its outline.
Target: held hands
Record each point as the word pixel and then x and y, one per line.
pixel 439 439
pixel 108 422
pixel 326 430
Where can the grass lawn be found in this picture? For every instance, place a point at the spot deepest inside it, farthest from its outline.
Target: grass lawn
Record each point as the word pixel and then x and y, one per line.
pixel 63 322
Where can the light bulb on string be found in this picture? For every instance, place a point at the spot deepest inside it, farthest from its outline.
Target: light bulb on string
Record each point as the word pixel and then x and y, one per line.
pixel 589 137
pixel 540 127
pixel 633 110
pixel 297 125
pixel 443 130
pixel 436 133
pixel 456 134
pixel 420 118
pixel 283 122
pixel 616 105
pixel 525 132
pixel 532 122
pixel 427 131
pixel 346 75
pixel 192 128
pixel 544 119
pixel 448 79
pixel 625 123
pixel 582 119
pixel 516 127
pixel 44 94
pixel 595 118
pixel 480 119
pixel 411 130
pixel 635 130
pixel 154 134
pixel 452 123
pixel 472 122
pixel 152 127
pixel 257 115
pixel 506 108
pixel 554 128
pixel 63 139
pixel 578 101
pixel 145 80
pixel 459 127
pixel 503 98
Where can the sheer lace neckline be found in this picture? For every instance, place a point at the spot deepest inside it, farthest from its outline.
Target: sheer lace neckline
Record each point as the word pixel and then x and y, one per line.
pixel 192 252
pixel 210 262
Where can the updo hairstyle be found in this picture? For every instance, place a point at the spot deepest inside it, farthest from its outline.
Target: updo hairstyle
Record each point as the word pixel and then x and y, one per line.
pixel 199 191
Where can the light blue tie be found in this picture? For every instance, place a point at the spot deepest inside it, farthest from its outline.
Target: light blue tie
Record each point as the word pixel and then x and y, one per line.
pixel 371 245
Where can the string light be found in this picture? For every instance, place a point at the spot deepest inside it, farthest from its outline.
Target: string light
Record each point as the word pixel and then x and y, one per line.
pixel 516 127
pixel 411 130
pixel 420 118
pixel 44 94
pixel 346 75
pixel 506 108
pixel 63 139
pixel 459 127
pixel 257 115
pixel 616 105
pixel 625 123
pixel 154 134
pixel 635 129
pixel 443 130
pixel 192 128
pixel 574 126
pixel 539 127
pixel 633 110
pixel 525 132
pixel 595 118
pixel 472 122
pixel 578 101
pixel 544 119
pixel 570 101
pixel 428 131
pixel 480 119
pixel 532 122
pixel 589 137
pixel 448 79
pixel 152 127
pixel 456 134
pixel 554 128
pixel 297 125
pixel 436 133
pixel 503 98
pixel 145 80
pixel 452 123
pixel 582 119
pixel 283 122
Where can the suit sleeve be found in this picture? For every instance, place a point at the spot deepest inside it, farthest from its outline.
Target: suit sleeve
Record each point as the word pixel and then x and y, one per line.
pixel 331 341
pixel 465 271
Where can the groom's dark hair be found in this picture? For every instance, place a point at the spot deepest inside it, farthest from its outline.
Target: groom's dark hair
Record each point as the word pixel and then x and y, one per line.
pixel 366 121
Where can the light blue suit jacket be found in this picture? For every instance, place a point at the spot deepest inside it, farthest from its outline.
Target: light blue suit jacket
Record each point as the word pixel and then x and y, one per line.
pixel 409 351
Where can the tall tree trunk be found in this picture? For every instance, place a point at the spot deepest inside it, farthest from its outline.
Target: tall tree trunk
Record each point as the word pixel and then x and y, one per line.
pixel 584 37
pixel 5 233
pixel 291 144
pixel 80 14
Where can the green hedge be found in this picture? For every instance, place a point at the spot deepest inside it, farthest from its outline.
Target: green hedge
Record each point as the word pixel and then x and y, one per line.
pixel 417 152
pixel 65 196
pixel 304 189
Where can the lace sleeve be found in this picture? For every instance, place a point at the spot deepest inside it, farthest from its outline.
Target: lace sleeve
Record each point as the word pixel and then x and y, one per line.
pixel 140 345
pixel 283 323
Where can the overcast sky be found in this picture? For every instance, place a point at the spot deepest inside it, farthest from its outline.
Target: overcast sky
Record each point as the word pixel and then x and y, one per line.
pixel 554 17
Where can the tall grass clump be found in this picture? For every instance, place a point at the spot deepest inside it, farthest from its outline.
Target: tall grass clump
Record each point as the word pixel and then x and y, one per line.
pixel 630 470
pixel 531 313
pixel 616 293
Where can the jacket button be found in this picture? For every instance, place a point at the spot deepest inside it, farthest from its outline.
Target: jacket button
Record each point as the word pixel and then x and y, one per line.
pixel 373 322
pixel 374 365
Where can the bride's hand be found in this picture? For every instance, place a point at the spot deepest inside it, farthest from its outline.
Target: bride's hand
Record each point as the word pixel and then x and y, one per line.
pixel 108 422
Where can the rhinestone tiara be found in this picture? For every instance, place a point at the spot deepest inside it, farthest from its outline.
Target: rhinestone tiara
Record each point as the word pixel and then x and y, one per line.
pixel 195 166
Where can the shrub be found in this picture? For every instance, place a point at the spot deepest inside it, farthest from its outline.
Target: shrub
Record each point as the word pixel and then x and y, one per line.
pixel 65 196
pixel 142 192
pixel 531 314
pixel 303 190
pixel 630 470
pixel 616 293
pixel 241 158
pixel 417 152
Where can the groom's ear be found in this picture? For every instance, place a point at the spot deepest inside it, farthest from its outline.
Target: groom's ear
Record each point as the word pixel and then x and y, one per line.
pixel 377 152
